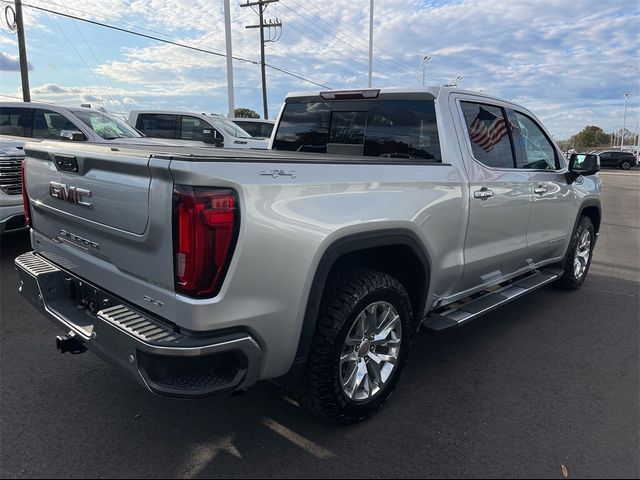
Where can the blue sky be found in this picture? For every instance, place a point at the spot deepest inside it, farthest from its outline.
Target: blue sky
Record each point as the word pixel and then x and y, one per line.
pixel 570 62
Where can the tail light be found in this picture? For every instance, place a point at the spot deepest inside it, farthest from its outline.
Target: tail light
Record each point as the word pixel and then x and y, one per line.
pixel 25 197
pixel 205 227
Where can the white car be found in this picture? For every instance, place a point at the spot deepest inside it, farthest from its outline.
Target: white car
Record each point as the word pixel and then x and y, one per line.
pixel 256 127
pixel 212 129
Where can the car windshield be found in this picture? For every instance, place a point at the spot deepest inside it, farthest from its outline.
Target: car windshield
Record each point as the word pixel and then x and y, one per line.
pixel 106 125
pixel 229 127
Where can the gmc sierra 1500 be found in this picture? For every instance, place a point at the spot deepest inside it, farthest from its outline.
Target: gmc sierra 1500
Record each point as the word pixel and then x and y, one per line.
pixel 203 273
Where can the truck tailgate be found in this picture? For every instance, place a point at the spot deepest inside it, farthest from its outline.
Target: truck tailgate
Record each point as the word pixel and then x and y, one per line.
pixel 105 214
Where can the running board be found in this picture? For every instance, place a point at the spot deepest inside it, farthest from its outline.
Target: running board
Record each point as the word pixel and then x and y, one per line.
pixel 469 309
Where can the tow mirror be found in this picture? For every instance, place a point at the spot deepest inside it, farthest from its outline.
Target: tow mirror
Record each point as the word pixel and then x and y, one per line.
pixel 582 164
pixel 72 135
pixel 211 136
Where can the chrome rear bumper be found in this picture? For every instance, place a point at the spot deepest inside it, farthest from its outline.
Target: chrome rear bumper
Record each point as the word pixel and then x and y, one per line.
pixel 155 353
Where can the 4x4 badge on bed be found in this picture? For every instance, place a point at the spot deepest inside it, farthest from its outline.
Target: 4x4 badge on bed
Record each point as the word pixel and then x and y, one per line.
pixel 279 172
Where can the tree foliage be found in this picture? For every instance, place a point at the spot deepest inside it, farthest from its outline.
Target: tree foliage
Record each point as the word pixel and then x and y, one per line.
pixel 245 113
pixel 590 136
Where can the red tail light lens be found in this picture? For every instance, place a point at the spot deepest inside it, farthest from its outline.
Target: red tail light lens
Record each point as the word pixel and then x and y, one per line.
pixel 205 228
pixel 25 197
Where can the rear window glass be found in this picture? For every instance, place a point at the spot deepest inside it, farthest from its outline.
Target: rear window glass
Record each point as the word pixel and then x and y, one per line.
pixel 403 129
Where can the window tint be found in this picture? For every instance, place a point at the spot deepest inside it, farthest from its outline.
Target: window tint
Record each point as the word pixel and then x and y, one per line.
pixel 192 128
pixel 255 129
pixel 381 128
pixel 158 125
pixel 304 127
pixel 106 125
pixel 403 129
pixel 15 121
pixel 48 124
pixel 533 149
pixel 489 135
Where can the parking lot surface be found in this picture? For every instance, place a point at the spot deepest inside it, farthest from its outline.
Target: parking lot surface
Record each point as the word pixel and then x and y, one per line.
pixel 550 380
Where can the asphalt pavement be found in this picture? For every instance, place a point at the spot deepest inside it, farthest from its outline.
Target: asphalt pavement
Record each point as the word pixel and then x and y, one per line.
pixel 546 383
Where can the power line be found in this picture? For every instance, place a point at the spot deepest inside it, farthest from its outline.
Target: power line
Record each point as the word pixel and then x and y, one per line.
pixel 170 42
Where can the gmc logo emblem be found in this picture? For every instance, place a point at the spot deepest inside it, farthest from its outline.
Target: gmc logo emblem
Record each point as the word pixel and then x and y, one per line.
pixel 69 194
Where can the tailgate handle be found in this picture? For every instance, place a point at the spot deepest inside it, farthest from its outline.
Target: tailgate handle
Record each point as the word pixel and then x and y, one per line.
pixel 66 163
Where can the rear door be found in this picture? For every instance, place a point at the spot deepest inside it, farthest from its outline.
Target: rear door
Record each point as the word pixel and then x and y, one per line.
pixel 105 213
pixel 500 196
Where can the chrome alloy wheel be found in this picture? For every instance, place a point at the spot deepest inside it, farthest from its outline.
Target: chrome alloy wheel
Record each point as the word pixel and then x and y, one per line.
pixel 583 252
pixel 370 352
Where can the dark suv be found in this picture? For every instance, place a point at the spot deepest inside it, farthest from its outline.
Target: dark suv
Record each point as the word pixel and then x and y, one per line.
pixel 618 159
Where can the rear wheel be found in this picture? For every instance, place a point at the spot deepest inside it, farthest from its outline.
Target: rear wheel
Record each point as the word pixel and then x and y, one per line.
pixel 364 333
pixel 625 165
pixel 578 260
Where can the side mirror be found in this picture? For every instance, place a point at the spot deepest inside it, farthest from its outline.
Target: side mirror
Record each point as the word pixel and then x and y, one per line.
pixel 211 136
pixel 72 135
pixel 582 164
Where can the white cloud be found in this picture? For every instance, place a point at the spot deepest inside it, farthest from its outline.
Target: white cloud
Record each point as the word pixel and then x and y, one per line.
pixel 570 62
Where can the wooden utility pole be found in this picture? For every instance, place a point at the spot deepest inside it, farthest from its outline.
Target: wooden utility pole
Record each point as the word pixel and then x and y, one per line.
pixel 22 49
pixel 262 4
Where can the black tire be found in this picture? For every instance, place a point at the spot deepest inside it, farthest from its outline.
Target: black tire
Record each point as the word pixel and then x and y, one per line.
pixel 347 294
pixel 625 165
pixel 570 280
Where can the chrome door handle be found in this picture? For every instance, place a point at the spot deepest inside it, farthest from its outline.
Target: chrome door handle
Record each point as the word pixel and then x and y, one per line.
pixel 540 190
pixel 483 194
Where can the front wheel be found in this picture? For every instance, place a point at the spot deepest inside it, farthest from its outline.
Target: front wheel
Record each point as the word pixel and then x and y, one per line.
pixel 578 259
pixel 363 336
pixel 626 165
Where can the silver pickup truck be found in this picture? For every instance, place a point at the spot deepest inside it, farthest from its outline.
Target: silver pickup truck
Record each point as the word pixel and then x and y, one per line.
pixel 377 213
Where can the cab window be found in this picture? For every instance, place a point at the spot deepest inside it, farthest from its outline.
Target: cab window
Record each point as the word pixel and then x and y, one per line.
pixel 158 125
pixel 488 134
pixel 48 124
pixel 15 121
pixel 191 128
pixel 533 149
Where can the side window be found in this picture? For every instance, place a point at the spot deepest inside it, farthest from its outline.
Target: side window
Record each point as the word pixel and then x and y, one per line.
pixel 489 135
pixel 402 129
pixel 48 124
pixel 158 125
pixel 251 128
pixel 15 121
pixel 532 147
pixel 191 128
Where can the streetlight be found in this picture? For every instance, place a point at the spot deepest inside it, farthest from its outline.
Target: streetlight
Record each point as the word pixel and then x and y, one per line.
pixel 624 116
pixel 426 59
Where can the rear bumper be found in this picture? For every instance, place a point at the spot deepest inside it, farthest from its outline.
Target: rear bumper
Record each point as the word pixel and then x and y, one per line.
pixel 156 354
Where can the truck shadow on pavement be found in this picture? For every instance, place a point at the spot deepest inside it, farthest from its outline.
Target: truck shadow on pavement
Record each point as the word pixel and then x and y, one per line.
pixel 549 380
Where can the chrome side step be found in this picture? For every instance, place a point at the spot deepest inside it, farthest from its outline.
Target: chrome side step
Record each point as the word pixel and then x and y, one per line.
pixel 471 308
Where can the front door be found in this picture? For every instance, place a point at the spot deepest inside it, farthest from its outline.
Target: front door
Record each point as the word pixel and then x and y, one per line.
pixel 500 198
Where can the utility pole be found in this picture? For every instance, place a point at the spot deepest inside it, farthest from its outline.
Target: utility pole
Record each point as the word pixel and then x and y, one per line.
pixel 227 35
pixel 624 117
pixel 22 49
pixel 262 5
pixel 371 44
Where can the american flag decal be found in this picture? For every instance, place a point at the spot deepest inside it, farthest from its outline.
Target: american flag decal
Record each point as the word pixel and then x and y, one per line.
pixel 487 130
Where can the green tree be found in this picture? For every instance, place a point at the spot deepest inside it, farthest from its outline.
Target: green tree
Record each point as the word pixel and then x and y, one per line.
pixel 590 136
pixel 245 113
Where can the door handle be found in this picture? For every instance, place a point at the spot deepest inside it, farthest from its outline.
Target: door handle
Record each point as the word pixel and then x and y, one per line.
pixel 540 190
pixel 483 194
